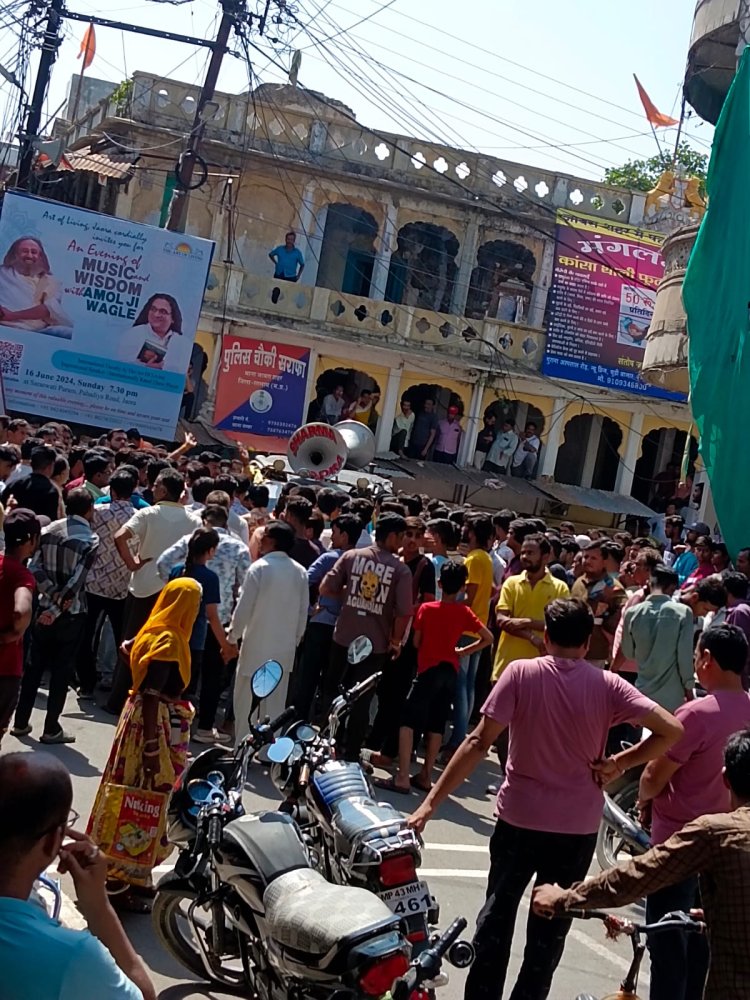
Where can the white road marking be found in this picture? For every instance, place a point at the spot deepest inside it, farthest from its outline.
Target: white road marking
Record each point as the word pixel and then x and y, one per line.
pixel 603 952
pixel 459 848
pixel 453 873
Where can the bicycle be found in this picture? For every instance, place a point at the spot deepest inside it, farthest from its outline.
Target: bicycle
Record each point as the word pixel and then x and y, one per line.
pixel 637 933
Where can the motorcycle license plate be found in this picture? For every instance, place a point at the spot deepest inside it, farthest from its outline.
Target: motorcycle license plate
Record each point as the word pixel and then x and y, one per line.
pixel 408 899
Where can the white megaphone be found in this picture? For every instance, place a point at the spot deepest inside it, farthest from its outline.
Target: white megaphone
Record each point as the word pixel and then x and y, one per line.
pixel 316 451
pixel 359 441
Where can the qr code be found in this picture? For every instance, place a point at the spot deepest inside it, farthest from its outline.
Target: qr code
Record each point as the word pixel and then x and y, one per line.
pixel 10 357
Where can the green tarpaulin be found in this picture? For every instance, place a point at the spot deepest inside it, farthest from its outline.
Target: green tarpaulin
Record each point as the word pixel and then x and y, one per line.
pixel 716 293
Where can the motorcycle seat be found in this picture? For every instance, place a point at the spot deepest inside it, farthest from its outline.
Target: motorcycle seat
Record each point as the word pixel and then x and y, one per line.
pixel 354 818
pixel 307 914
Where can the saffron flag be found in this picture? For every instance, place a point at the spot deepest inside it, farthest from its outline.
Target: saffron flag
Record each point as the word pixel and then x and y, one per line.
pixel 88 47
pixel 657 119
pixel 717 302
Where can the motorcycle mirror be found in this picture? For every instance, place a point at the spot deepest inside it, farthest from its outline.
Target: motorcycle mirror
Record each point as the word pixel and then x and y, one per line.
pixel 280 750
pixel 359 649
pixel 266 678
pixel 305 734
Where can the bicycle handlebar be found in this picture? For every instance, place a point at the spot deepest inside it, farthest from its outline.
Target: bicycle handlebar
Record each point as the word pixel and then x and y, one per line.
pixel 677 920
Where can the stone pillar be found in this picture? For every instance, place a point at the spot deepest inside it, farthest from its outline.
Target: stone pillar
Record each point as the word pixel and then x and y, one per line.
pixel 543 280
pixel 382 262
pixel 554 437
pixel 310 247
pixel 626 470
pixel 388 407
pixel 472 424
pixel 592 450
pixel 465 267
pixel 310 382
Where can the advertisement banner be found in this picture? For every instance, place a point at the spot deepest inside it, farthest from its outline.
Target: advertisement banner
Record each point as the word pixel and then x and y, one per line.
pixel 260 394
pixel 97 315
pixel 601 302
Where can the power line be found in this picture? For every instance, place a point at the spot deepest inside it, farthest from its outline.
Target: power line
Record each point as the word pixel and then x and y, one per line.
pixel 475 48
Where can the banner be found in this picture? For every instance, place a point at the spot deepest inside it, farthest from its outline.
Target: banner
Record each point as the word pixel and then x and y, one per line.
pixel 601 303
pixel 260 394
pixel 97 315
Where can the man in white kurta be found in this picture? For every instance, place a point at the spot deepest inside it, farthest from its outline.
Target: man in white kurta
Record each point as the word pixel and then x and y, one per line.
pixel 270 619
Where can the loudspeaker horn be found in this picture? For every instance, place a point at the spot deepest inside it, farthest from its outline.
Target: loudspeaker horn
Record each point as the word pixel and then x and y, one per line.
pixel 316 451
pixel 360 443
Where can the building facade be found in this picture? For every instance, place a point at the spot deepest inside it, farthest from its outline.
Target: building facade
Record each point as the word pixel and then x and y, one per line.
pixel 427 268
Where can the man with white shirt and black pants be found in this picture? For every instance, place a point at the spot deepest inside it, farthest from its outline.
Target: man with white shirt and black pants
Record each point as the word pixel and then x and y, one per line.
pixel 270 620
pixel 154 529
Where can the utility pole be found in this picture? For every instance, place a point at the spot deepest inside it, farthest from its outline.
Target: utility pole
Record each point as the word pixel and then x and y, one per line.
pixel 50 45
pixel 177 218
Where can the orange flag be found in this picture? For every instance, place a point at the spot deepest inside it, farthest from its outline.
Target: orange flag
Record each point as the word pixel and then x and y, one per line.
pixel 652 112
pixel 88 47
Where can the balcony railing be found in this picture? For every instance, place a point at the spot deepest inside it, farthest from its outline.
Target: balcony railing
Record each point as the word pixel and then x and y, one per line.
pixel 354 318
pixel 332 140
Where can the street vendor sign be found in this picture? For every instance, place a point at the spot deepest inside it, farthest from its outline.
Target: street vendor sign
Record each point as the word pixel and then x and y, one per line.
pixel 602 299
pixel 97 315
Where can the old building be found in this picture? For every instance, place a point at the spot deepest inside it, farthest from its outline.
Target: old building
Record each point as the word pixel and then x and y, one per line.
pixel 427 268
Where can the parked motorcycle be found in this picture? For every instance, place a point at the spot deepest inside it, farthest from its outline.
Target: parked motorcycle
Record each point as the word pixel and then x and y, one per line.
pixel 244 907
pixel 620 830
pixel 353 839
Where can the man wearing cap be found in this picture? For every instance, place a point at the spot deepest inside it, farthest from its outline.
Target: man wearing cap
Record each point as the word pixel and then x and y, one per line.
pixel 687 562
pixel 448 441
pixel 17 585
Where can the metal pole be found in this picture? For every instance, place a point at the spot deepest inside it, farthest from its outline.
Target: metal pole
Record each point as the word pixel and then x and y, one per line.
pixel 178 208
pixel 50 45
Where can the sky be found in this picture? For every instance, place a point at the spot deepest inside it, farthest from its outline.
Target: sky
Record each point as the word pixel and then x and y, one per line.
pixel 544 83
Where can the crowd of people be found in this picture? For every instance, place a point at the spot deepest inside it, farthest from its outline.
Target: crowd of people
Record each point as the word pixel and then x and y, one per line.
pixel 556 646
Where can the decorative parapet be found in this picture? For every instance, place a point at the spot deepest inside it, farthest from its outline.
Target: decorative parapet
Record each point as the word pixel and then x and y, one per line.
pixel 356 318
pixel 325 136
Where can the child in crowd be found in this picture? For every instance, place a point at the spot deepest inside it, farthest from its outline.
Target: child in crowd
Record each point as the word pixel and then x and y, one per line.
pixel 439 538
pixel 438 626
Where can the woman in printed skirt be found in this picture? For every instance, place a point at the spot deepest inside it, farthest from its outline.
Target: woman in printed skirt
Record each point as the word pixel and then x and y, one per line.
pixel 150 747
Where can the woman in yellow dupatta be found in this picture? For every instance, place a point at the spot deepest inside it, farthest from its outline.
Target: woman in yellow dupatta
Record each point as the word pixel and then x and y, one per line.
pixel 152 737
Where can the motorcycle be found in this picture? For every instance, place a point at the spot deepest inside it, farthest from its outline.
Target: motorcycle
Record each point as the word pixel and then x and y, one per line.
pixel 636 932
pixel 354 839
pixel 620 830
pixel 244 908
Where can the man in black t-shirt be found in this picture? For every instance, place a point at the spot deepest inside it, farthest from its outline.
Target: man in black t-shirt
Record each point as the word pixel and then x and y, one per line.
pixel 37 492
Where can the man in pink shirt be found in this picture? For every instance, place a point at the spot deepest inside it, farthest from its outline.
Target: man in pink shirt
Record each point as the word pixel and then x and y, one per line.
pixel 685 783
pixel 448 440
pixel 559 709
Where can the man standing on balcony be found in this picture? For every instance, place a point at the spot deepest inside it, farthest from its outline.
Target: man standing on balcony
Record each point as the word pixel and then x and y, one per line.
pixel 527 452
pixel 449 433
pixel 288 260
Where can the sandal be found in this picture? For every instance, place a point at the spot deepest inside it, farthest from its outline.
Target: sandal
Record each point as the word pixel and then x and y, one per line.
pixel 389 785
pixel 128 900
pixel 416 783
